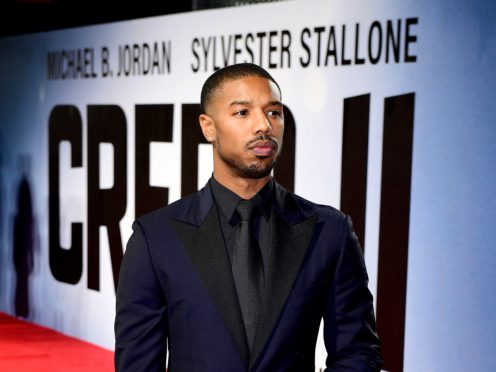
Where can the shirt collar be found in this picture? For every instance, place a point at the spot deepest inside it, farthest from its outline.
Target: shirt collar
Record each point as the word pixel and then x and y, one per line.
pixel 227 200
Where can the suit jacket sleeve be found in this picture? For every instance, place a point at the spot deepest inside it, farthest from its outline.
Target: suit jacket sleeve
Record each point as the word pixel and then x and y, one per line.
pixel 349 323
pixel 141 320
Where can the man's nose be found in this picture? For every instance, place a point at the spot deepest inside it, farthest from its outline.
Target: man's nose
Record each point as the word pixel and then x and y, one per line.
pixel 262 123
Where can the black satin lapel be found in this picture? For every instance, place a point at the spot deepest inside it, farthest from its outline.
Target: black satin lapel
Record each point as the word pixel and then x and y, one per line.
pixel 205 248
pixel 289 245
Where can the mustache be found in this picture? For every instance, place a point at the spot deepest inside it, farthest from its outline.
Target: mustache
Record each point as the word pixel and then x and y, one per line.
pixel 263 138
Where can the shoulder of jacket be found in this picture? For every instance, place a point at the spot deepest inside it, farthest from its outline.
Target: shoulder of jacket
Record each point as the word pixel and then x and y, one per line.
pixel 325 212
pixel 166 212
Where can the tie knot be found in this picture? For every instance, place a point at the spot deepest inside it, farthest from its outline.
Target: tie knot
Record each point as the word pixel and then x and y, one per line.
pixel 245 209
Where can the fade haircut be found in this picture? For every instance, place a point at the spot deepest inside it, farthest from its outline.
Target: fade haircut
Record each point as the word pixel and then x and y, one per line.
pixel 229 73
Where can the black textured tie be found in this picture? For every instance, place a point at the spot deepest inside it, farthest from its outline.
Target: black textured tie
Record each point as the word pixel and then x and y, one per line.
pixel 247 267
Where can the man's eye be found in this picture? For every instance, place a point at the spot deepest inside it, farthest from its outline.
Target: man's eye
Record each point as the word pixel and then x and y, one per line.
pixel 274 113
pixel 241 113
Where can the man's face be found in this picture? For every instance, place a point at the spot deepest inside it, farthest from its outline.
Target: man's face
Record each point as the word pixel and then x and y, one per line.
pixel 245 123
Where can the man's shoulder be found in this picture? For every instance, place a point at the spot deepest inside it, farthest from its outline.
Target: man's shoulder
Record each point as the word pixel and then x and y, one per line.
pixel 175 210
pixel 308 207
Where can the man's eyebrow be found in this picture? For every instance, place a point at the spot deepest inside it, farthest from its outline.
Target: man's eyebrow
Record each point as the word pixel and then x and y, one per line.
pixel 248 103
pixel 240 102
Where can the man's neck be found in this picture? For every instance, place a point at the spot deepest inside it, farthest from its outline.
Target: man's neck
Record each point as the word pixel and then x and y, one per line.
pixel 245 188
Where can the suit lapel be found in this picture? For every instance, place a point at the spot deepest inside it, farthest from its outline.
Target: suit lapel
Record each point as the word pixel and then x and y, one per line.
pixel 204 245
pixel 291 234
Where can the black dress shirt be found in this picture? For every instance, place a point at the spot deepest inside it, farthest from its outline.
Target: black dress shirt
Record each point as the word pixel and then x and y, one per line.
pixel 226 202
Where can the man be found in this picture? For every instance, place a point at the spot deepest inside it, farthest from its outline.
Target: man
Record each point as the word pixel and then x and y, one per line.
pixel 229 292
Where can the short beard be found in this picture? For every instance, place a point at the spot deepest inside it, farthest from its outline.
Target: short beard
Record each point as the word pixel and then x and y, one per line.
pixel 255 171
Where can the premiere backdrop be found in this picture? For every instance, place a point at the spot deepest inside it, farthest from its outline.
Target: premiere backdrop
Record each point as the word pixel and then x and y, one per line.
pixel 390 116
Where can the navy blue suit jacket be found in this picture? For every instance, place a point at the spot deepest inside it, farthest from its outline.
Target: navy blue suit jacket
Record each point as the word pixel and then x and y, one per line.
pixel 176 288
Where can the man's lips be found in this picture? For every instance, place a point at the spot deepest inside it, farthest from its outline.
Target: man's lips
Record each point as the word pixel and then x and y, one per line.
pixel 263 148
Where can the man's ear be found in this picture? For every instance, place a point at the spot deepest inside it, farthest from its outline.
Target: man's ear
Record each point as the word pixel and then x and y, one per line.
pixel 207 127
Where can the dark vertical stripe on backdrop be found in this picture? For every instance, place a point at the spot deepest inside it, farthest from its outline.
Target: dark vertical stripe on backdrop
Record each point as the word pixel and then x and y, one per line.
pixel 354 161
pixel 394 227
pixel 284 171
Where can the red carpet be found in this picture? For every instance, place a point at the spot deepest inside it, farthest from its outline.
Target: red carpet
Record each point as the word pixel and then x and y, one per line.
pixel 29 347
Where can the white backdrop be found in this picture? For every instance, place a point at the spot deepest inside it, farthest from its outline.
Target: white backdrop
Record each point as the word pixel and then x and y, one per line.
pixel 449 65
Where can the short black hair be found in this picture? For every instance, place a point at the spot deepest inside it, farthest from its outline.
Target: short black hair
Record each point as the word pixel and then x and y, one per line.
pixel 228 73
